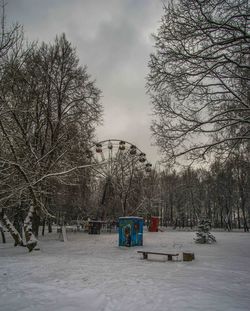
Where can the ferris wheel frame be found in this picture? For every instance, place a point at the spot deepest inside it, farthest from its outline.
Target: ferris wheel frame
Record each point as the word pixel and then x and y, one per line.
pixel 112 152
pixel 116 165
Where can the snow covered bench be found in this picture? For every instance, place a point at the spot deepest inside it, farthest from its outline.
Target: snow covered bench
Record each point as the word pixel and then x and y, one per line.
pixel 170 256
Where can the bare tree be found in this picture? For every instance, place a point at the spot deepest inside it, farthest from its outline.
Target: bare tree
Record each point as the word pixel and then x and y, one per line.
pixel 241 168
pixel 51 107
pixel 200 76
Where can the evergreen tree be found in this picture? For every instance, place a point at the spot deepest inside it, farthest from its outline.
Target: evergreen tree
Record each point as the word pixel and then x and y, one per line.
pixel 203 235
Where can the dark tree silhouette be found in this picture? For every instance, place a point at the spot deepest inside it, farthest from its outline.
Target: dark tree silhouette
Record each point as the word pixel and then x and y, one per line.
pixel 200 76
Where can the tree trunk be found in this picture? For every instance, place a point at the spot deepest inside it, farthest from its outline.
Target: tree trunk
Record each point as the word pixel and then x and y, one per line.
pixel 171 208
pixel 243 204
pixel 30 237
pixel 44 223
pixel 2 234
pixel 14 233
pixel 238 216
pixel 49 226
pixel 221 218
pixel 246 229
pixel 35 224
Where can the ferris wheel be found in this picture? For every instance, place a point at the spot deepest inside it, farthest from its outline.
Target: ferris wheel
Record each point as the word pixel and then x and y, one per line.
pixel 116 164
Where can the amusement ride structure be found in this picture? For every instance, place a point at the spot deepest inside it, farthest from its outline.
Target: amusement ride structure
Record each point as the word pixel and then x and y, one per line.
pixel 118 168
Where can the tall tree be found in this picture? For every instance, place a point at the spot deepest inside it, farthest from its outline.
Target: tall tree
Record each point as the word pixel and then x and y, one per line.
pixel 52 107
pixel 200 76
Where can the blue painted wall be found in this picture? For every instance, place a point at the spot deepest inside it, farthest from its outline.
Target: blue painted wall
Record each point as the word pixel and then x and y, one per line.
pixel 130 231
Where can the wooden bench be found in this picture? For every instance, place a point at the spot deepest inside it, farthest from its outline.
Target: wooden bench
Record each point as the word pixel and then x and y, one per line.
pixel 145 254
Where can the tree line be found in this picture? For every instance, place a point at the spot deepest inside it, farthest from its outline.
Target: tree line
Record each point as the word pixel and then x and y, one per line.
pixel 220 193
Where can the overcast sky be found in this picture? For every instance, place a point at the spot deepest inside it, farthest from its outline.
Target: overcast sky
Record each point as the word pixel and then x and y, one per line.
pixel 113 38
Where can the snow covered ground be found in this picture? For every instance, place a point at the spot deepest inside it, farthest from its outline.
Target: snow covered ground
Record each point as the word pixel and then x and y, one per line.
pixel 91 273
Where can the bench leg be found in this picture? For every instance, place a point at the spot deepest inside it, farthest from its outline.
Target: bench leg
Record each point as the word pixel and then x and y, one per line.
pixel 170 257
pixel 145 256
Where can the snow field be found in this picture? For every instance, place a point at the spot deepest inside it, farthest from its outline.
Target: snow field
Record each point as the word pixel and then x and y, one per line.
pixel 91 273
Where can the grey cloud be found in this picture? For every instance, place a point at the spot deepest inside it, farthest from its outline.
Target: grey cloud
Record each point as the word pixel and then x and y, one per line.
pixel 113 38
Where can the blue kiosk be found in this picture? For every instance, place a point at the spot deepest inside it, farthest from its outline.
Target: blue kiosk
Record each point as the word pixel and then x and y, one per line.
pixel 131 231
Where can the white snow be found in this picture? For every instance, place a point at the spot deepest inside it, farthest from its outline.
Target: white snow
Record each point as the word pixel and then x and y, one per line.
pixel 91 273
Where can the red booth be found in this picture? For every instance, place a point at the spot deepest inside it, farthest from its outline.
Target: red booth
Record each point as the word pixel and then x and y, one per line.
pixel 154 223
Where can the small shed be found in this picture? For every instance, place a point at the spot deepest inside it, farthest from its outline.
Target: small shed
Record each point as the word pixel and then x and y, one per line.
pixel 131 231
pixel 154 224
